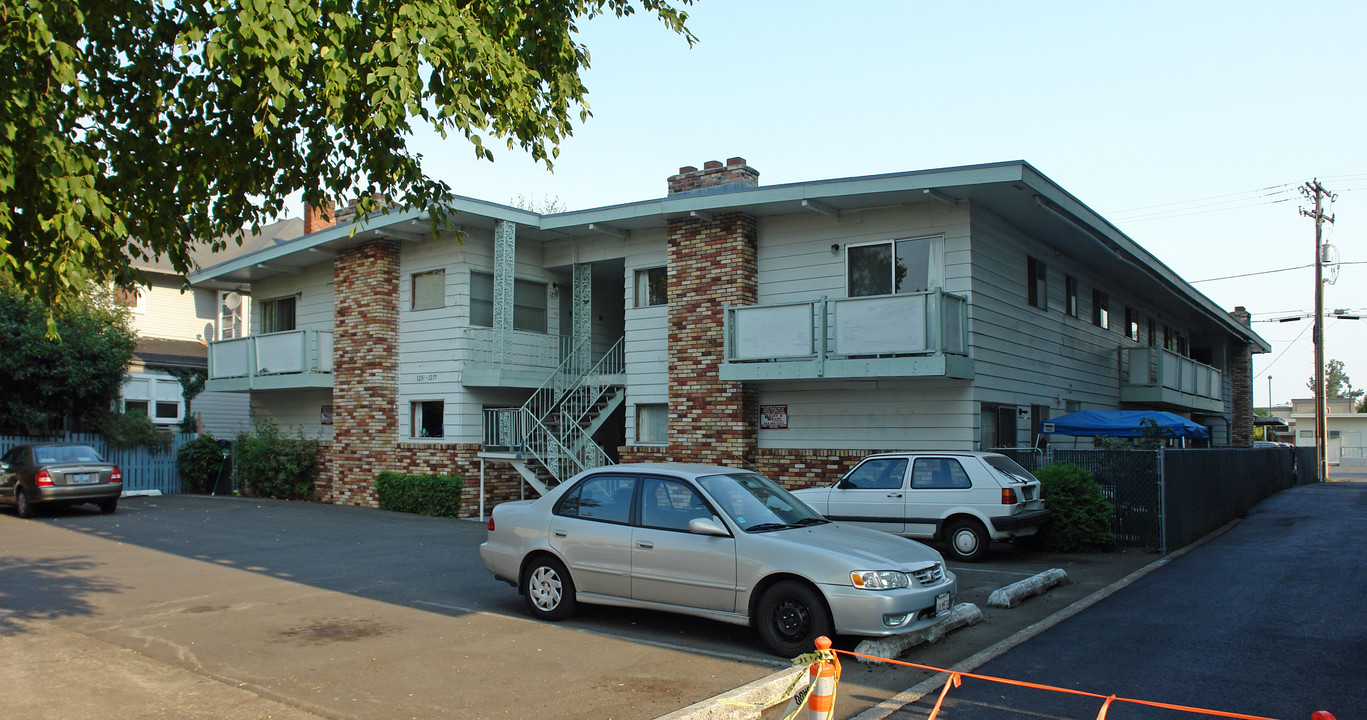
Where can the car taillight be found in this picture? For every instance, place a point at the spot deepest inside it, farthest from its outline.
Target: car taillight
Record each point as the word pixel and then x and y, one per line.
pixel 1008 496
pixel 44 477
pixel 491 523
pixel 116 476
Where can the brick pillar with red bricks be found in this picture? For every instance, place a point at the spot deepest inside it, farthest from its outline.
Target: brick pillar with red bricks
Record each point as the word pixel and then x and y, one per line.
pixel 364 373
pixel 711 265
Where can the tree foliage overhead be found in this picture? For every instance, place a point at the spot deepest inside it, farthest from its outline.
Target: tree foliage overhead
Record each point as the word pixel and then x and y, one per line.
pixel 46 380
pixel 131 128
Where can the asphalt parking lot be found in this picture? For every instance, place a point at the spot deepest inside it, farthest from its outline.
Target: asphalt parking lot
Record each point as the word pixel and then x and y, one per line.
pixel 193 606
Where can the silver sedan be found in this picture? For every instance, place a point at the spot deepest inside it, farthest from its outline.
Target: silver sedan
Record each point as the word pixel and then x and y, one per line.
pixel 58 474
pixel 717 543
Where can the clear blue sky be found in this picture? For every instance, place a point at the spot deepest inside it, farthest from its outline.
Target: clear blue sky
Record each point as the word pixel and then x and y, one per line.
pixel 1188 125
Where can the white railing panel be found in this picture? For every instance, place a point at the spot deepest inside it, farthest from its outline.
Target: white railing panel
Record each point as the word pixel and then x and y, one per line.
pixel 881 325
pixel 772 331
pixel 324 350
pixel 228 358
pixel 281 352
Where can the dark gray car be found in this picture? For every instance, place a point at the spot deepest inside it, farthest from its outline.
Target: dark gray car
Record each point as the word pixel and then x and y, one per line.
pixel 58 474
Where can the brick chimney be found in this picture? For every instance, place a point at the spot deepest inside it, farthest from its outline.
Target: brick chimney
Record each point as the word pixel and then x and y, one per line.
pixel 1242 316
pixel 319 218
pixel 714 178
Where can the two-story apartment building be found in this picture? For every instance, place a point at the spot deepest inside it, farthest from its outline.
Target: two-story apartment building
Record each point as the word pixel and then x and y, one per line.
pixel 793 328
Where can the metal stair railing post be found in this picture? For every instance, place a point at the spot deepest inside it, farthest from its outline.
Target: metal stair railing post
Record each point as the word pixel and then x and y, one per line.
pixel 541 441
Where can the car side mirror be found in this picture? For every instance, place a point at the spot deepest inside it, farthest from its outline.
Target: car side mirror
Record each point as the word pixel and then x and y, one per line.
pixel 706 526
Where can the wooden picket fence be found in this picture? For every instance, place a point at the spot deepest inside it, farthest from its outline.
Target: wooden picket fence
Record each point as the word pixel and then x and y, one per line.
pixel 142 469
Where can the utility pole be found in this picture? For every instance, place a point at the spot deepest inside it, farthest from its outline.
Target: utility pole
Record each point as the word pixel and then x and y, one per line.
pixel 1313 190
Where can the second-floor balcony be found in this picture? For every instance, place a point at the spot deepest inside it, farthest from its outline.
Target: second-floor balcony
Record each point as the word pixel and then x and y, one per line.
pixel 274 361
pixel 1161 378
pixel 888 336
pixel 516 358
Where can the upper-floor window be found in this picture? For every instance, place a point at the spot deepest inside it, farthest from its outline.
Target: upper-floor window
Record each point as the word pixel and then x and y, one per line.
pixel 277 315
pixel 1038 280
pixel 1070 295
pixel 1132 324
pixel 429 290
pixel 529 303
pixel 891 267
pixel 652 287
pixel 1101 309
pixel 232 315
pixel 1153 335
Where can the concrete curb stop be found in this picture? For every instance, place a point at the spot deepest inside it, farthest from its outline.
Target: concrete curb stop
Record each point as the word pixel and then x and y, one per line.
pixel 1011 595
pixel 762 693
pixel 890 647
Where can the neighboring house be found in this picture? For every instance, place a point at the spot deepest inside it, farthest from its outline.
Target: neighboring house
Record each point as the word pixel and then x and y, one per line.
pixel 1347 441
pixel 174 326
pixel 792 328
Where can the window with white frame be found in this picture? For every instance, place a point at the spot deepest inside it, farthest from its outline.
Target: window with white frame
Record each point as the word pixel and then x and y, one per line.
pixel 652 287
pixel 158 396
pixel 652 423
pixel 892 267
pixel 1101 309
pixel 428 418
pixel 429 290
pixel 277 315
pixel 232 315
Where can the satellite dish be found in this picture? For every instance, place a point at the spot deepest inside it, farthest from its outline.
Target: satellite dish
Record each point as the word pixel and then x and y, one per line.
pixel 232 300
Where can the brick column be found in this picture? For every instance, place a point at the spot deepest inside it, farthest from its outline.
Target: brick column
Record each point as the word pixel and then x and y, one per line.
pixel 711 265
pixel 1241 386
pixel 364 372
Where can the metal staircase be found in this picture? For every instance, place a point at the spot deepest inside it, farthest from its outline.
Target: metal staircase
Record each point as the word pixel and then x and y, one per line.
pixel 550 438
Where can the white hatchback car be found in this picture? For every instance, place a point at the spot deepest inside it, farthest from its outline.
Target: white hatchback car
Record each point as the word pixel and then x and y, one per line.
pixel 966 499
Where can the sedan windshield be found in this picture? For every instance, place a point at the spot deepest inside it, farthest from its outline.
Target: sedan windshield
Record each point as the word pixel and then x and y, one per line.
pixel 757 504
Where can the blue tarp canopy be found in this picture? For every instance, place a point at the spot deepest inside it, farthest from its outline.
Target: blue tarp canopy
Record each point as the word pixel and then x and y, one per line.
pixel 1122 423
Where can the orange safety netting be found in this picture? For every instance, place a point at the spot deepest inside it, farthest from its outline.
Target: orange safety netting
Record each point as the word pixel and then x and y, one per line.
pixel 955 678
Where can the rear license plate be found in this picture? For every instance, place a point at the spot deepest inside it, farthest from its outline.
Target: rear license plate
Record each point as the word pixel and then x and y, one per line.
pixel 942 603
pixel 81 478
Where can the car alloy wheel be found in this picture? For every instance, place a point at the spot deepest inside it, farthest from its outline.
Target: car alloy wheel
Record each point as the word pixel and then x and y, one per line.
pixel 22 504
pixel 549 589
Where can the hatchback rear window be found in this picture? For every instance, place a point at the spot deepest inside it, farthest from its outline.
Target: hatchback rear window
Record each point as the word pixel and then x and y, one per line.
pixel 1008 467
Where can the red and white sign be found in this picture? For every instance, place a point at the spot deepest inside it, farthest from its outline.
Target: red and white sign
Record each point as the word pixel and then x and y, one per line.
pixel 773 417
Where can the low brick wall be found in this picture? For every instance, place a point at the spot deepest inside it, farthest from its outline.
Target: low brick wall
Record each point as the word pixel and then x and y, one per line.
pixel 793 469
pixel 501 481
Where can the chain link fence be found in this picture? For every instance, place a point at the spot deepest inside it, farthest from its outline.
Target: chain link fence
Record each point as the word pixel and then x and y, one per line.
pixel 1164 499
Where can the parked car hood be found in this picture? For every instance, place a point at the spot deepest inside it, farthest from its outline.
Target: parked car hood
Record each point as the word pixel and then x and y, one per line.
pixel 866 549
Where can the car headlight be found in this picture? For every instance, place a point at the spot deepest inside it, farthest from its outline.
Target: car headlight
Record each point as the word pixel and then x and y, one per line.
pixel 879 579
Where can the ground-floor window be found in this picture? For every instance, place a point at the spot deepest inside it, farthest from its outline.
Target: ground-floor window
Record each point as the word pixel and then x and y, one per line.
pixel 427 417
pixel 997 426
pixel 652 424
pixel 158 397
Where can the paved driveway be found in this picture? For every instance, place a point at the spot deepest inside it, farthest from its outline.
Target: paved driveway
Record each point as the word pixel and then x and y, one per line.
pixel 230 607
pixel 1264 620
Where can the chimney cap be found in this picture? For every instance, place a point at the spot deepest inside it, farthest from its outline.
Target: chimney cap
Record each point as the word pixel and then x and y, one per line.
pixel 711 165
pixel 687 169
pixel 735 161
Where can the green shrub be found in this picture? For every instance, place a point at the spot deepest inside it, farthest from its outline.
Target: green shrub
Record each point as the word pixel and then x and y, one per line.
pixel 199 461
pixel 126 430
pixel 434 495
pixel 1081 517
pixel 272 465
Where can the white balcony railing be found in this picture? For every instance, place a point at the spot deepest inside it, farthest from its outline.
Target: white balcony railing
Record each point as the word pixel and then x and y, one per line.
pixel 1166 370
pixel 293 352
pixel 823 333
